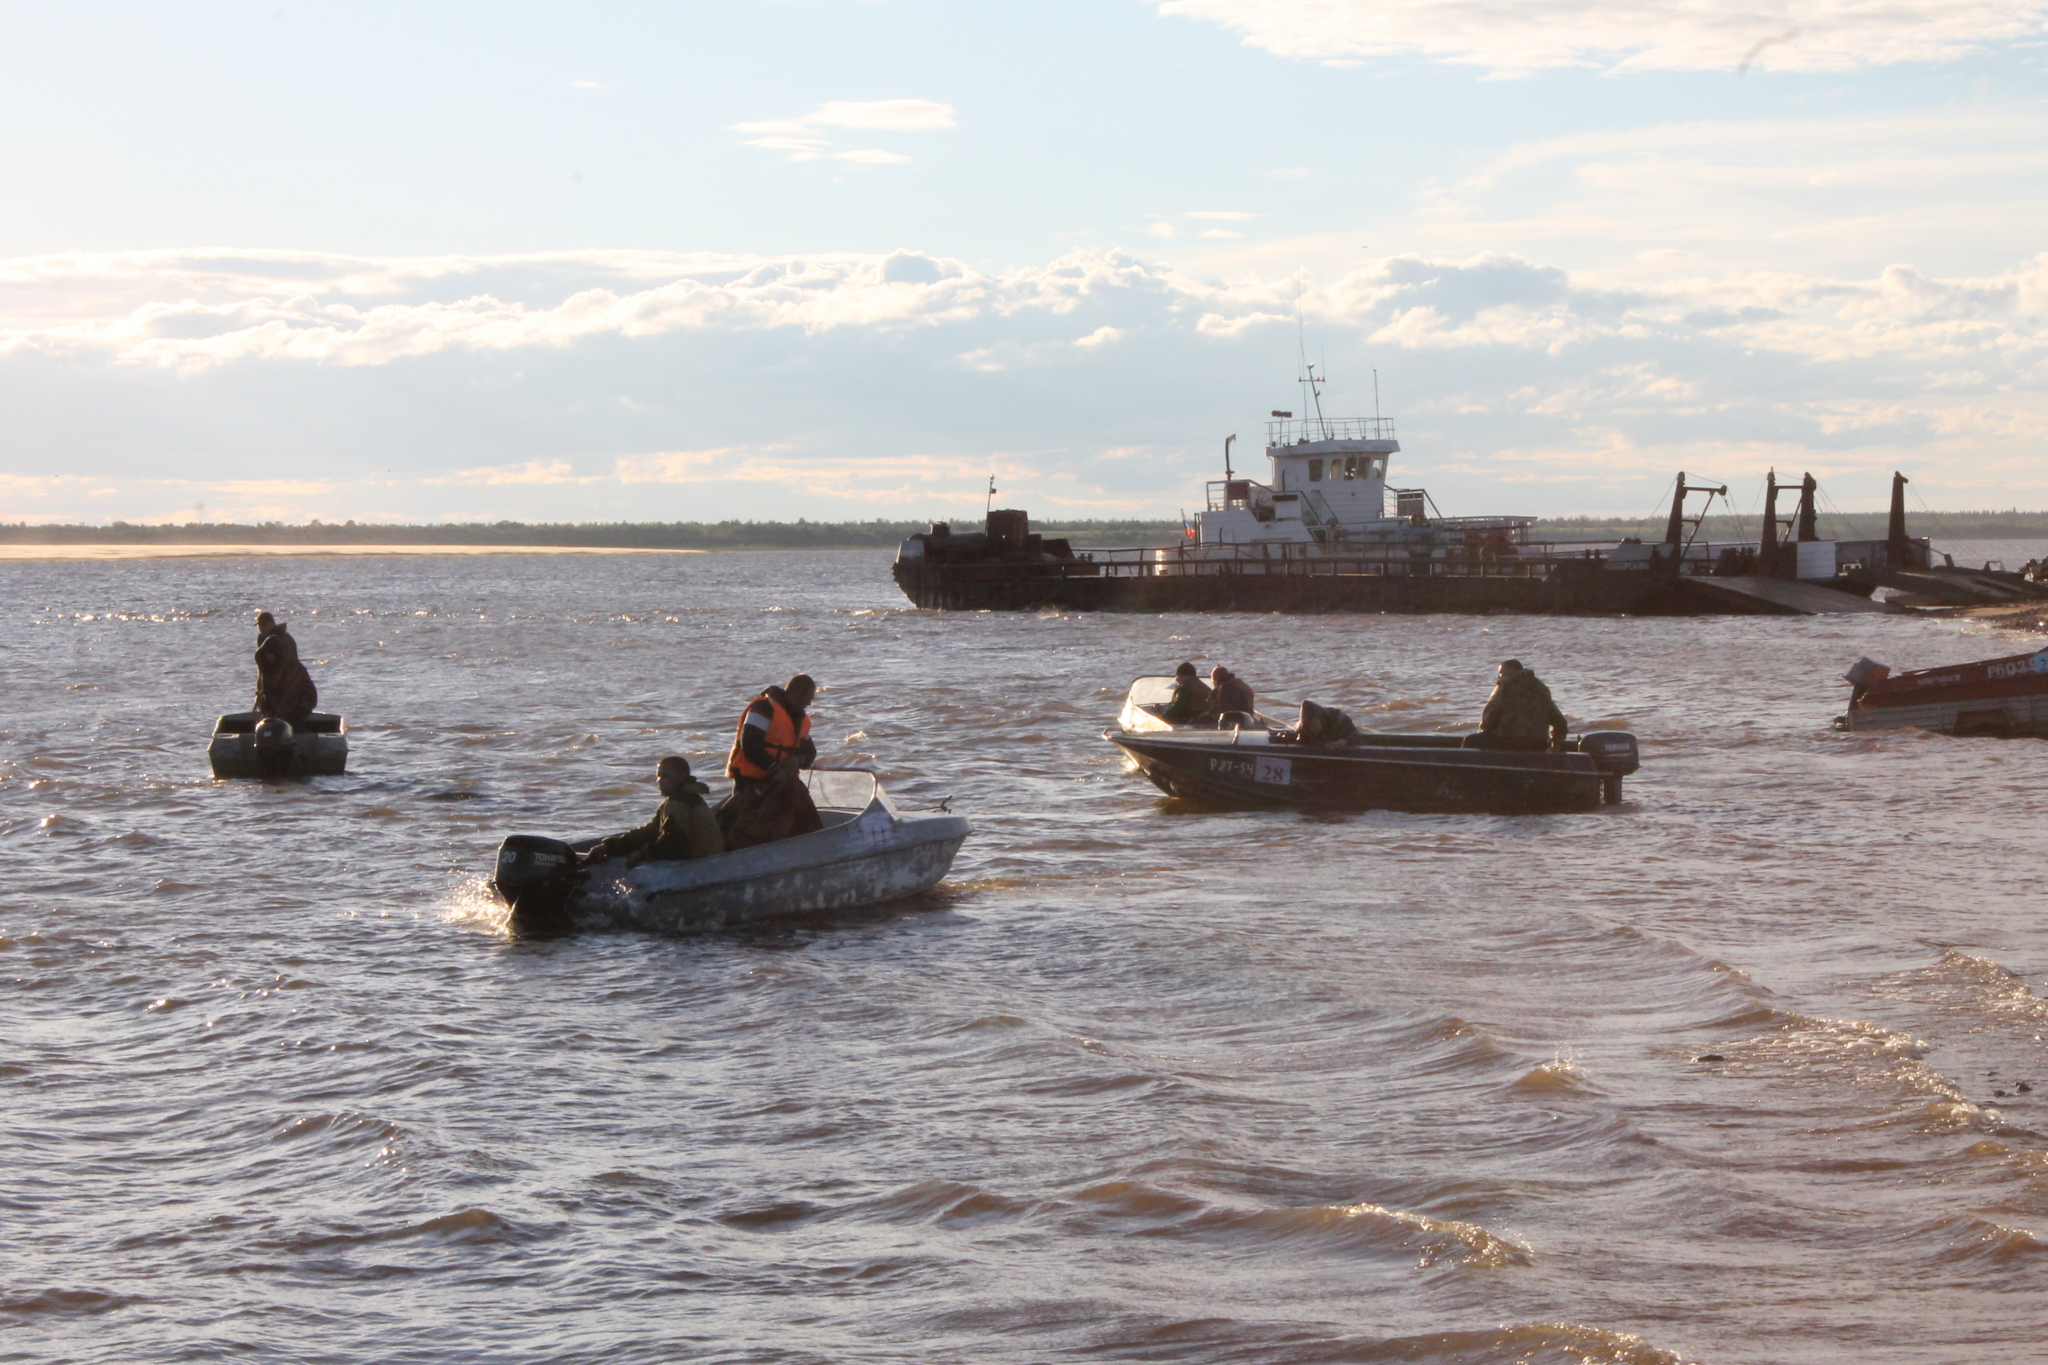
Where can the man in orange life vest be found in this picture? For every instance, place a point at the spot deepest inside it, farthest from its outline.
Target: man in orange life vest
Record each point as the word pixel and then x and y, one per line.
pixel 773 741
pixel 774 732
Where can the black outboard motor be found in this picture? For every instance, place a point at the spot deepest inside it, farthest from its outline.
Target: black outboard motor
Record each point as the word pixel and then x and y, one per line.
pixel 274 742
pixel 1614 754
pixel 536 877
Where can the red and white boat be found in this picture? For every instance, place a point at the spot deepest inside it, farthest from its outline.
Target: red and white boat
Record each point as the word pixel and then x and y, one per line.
pixel 2007 696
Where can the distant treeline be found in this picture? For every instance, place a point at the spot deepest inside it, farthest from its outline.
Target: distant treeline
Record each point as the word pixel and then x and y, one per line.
pixel 820 535
pixel 657 535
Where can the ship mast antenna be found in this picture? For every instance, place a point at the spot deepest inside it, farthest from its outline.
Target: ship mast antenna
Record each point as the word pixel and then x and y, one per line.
pixel 1226 455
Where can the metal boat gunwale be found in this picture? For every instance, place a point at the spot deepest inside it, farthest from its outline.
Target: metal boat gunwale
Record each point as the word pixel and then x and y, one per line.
pixel 319 747
pixel 1479 783
pixel 1369 750
pixel 748 864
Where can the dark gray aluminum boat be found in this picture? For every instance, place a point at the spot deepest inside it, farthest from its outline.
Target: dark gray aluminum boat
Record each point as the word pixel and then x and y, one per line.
pixel 245 744
pixel 1255 760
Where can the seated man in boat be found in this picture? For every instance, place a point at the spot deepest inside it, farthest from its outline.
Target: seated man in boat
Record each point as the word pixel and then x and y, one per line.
pixel 1324 725
pixel 769 801
pixel 1191 698
pixel 682 828
pixel 1519 716
pixel 283 687
pixel 1232 693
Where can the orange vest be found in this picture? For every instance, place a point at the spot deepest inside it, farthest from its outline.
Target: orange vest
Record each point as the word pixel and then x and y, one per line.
pixel 783 736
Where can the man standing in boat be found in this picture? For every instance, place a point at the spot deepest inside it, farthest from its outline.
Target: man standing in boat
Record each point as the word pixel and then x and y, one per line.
pixel 283 686
pixel 772 744
pixel 1520 716
pixel 683 827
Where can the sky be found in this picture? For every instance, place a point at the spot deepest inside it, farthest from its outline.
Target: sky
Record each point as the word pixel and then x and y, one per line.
pixel 848 259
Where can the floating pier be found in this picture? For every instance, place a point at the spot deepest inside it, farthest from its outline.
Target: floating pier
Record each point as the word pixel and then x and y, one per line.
pixel 1750 594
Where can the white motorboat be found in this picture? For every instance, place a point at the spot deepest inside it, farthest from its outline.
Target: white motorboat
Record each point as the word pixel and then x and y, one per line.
pixel 245 744
pixel 868 852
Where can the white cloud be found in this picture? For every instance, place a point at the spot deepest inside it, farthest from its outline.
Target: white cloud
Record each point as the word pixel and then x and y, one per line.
pixel 899 480
pixel 1490 298
pixel 533 471
pixel 1836 196
pixel 800 139
pixel 896 116
pixel 632 385
pixel 870 156
pixel 1516 35
pixel 1163 230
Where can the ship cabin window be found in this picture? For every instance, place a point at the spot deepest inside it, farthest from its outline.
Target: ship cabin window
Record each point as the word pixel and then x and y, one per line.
pixel 1351 467
pixel 1379 468
pixel 1315 471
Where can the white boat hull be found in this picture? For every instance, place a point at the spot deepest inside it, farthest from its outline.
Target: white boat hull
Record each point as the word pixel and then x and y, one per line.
pixel 865 855
pixel 841 867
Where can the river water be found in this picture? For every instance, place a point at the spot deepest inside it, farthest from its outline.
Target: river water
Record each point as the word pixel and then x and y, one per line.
pixel 1748 1069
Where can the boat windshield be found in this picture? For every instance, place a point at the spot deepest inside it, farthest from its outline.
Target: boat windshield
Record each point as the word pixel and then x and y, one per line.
pixel 1151 692
pixel 846 789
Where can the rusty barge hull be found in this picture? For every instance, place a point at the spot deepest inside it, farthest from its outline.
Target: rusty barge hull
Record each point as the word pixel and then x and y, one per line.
pixel 1310 587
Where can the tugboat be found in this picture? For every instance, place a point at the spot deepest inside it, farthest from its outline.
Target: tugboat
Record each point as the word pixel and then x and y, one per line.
pixel 1330 532
pixel 2005 697
pixel 1252 759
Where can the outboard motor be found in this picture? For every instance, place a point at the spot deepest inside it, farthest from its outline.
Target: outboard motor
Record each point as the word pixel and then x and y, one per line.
pixel 1614 753
pixel 535 877
pixel 274 743
pixel 1863 675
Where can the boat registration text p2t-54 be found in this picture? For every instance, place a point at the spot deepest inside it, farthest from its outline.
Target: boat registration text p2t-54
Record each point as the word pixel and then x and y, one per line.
pixel 1278 772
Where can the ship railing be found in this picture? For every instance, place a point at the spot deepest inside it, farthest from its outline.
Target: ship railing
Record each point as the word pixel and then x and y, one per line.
pixel 1298 430
pixel 1477 559
pixel 1250 494
pixel 1484 523
pixel 1488 551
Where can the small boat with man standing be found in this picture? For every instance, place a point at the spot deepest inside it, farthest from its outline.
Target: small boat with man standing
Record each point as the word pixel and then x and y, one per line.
pixel 281 735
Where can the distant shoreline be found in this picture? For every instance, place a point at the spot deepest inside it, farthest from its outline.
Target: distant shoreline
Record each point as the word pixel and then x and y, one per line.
pixel 128 540
pixel 84 549
pixel 512 536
